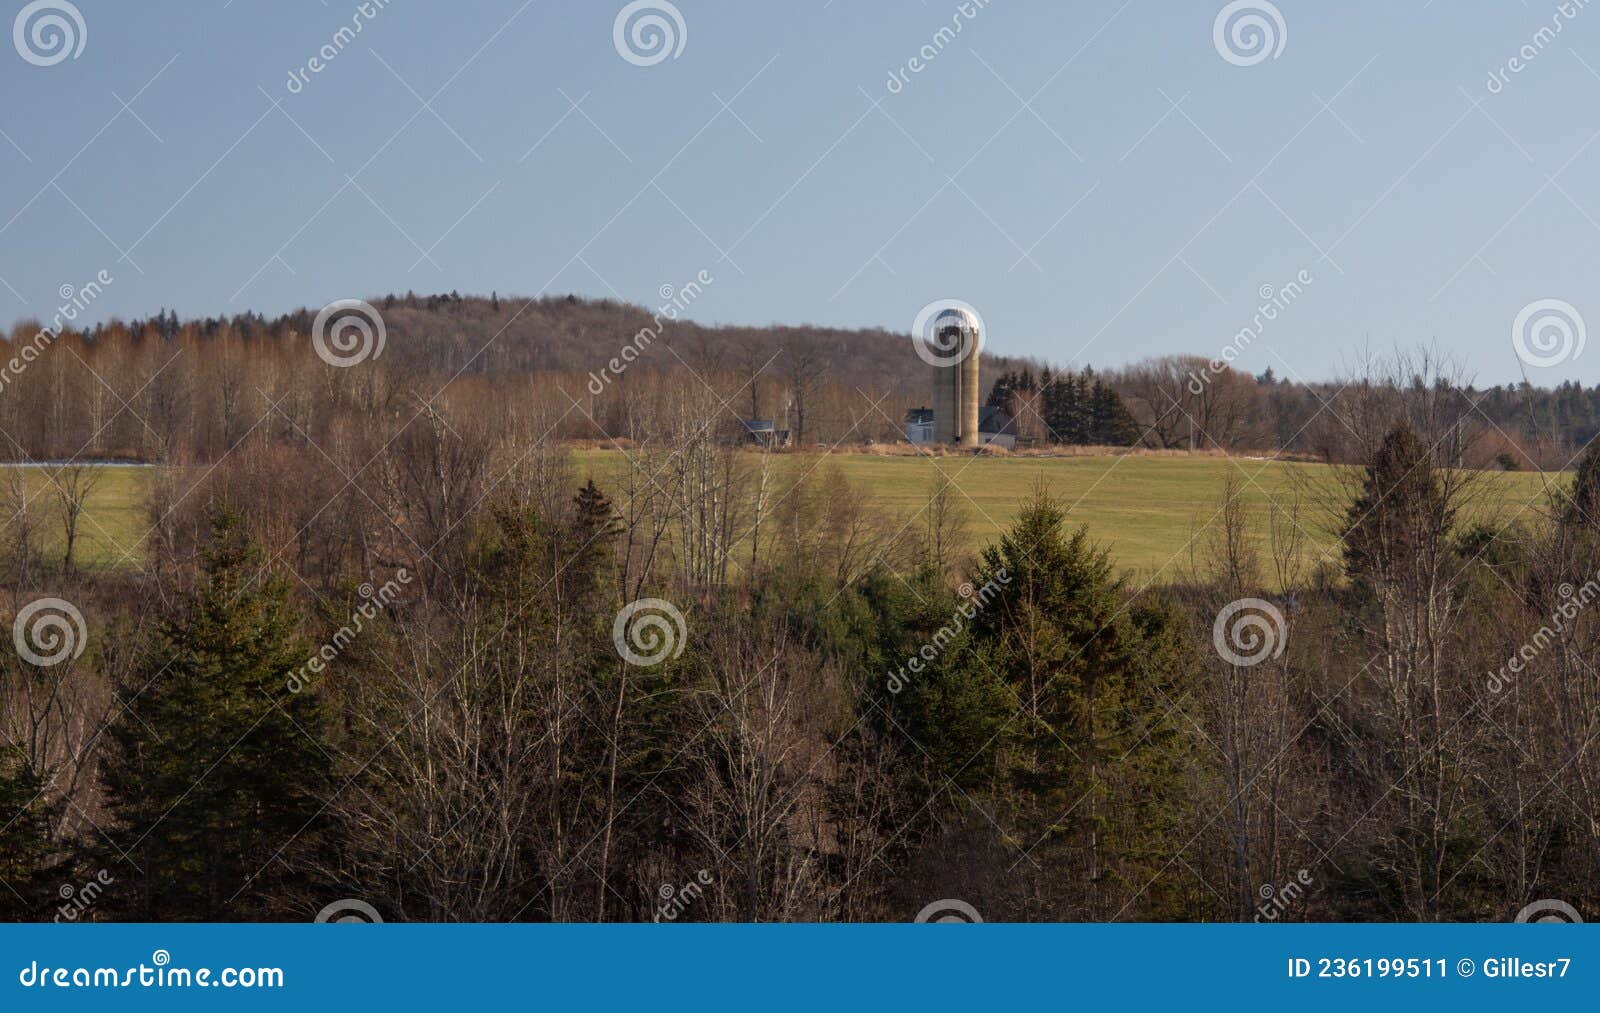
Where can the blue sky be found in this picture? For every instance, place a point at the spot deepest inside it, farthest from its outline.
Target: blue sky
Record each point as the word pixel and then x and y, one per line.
pixel 1136 205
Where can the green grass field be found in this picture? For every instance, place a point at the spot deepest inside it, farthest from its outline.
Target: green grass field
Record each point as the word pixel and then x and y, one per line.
pixel 1144 509
pixel 112 529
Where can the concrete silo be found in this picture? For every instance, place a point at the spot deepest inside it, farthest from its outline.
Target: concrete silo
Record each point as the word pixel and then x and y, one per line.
pixel 957 342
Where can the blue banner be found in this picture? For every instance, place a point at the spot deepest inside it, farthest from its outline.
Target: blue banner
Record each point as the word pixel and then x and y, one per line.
pixel 799 967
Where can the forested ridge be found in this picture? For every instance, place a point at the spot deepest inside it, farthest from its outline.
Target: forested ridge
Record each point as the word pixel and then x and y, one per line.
pixel 191 388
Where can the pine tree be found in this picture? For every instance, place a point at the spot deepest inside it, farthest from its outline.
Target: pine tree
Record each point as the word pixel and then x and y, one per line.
pixel 218 776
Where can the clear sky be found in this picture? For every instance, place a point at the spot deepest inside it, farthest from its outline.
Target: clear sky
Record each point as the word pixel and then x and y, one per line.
pixel 1095 177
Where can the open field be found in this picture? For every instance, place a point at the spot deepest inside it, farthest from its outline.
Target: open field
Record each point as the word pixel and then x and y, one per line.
pixel 111 532
pixel 1143 508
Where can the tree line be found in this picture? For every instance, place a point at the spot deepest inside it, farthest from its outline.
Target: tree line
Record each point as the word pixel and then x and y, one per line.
pixel 174 390
pixel 1065 407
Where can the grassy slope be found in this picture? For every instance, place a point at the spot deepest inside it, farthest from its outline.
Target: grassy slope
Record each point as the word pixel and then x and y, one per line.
pixel 1144 509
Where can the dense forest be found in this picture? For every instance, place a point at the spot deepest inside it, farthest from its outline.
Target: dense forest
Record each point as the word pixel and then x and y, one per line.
pixel 388 642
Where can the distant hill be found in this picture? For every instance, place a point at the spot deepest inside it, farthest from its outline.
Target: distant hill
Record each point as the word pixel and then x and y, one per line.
pixel 828 384
pixel 164 388
pixel 499 335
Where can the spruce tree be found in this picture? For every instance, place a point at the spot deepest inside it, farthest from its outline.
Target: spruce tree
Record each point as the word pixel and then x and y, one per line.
pixel 1401 507
pixel 1111 424
pixel 1065 411
pixel 1046 404
pixel 217 776
pixel 1080 409
pixel 26 820
pixel 1003 394
pixel 1096 757
pixel 595 527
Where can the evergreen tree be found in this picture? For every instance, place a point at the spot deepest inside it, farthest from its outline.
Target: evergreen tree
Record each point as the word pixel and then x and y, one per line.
pixel 1400 506
pixel 1081 408
pixel 218 777
pixel 954 705
pixel 26 845
pixel 1093 674
pixel 1050 406
pixel 1003 394
pixel 595 528
pixel 1583 502
pixel 1111 424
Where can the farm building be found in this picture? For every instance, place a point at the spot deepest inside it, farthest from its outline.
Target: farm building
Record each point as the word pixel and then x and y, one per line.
pixel 994 427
